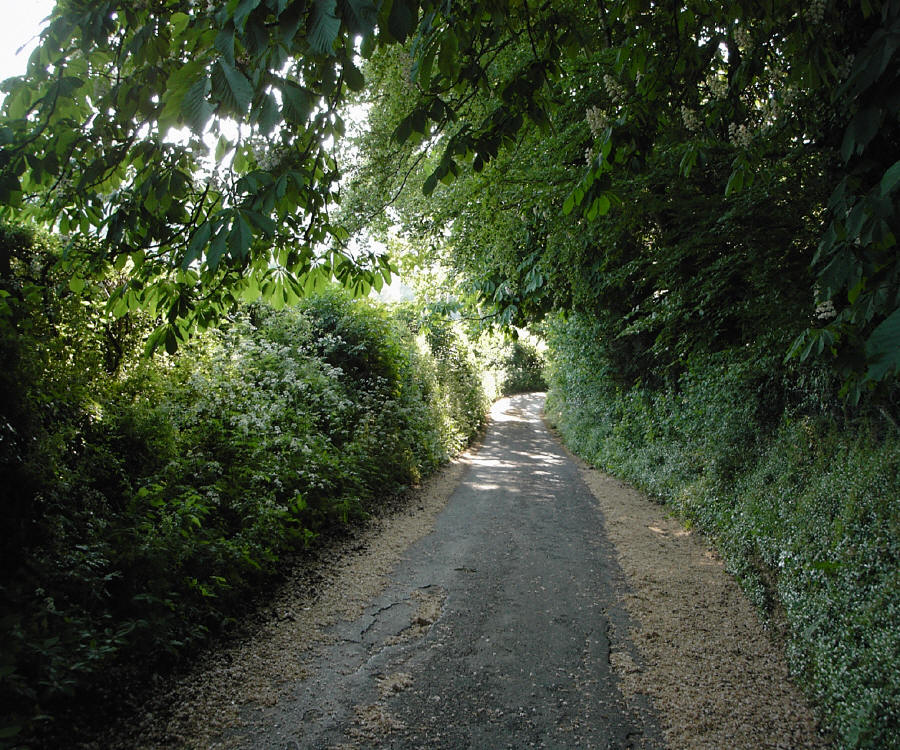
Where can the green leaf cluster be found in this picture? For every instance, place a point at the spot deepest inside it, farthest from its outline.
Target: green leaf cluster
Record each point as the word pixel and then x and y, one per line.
pixel 196 142
pixel 857 259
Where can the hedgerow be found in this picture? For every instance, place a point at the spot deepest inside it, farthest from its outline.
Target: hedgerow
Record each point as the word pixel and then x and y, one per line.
pixel 148 501
pixel 510 365
pixel 799 497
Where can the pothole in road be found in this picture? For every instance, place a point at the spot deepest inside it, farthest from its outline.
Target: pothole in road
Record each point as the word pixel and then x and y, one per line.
pixel 429 603
pixel 400 621
pixel 372 722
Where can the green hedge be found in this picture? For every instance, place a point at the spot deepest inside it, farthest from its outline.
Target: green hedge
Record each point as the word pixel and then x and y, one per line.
pixel 802 502
pixel 153 497
pixel 510 365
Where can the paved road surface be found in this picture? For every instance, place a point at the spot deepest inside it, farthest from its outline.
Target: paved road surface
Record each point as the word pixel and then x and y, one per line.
pixel 494 630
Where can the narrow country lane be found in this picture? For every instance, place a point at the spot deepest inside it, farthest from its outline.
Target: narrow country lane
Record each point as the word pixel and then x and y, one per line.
pixel 494 630
pixel 518 599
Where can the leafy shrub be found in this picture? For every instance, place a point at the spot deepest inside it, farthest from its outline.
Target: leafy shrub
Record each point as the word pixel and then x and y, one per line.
pixel 520 367
pixel 160 496
pixel 801 502
pixel 464 401
pixel 63 476
pixel 510 365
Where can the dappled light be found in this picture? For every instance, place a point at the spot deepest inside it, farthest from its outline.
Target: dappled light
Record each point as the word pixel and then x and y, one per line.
pixel 520 450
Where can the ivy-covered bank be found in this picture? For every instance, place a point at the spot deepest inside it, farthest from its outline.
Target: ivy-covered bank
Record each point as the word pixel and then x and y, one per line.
pixel 801 500
pixel 145 499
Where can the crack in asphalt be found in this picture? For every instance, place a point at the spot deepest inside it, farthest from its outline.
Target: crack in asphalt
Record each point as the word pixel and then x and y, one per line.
pixel 376 614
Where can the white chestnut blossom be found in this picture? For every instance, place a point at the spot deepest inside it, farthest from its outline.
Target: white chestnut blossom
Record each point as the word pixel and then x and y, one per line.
pixel 597 121
pixel 742 38
pixel 717 85
pixel 740 135
pixel 845 68
pixel 815 11
pixel 268 157
pixel 63 186
pixel 614 89
pixel 826 310
pixel 690 119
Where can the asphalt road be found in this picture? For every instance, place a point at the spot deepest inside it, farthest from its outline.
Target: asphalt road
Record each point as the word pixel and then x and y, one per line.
pixel 494 631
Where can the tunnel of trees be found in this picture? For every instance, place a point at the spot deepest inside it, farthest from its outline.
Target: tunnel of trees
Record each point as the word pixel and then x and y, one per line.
pixel 694 204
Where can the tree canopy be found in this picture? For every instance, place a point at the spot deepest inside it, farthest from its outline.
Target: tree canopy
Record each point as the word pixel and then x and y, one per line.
pixel 675 167
pixel 696 174
pixel 196 141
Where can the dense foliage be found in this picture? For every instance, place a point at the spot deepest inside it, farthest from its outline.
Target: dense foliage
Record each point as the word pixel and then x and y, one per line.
pixel 144 500
pixel 508 361
pixel 705 193
pixel 510 366
pixel 693 171
pixel 801 501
